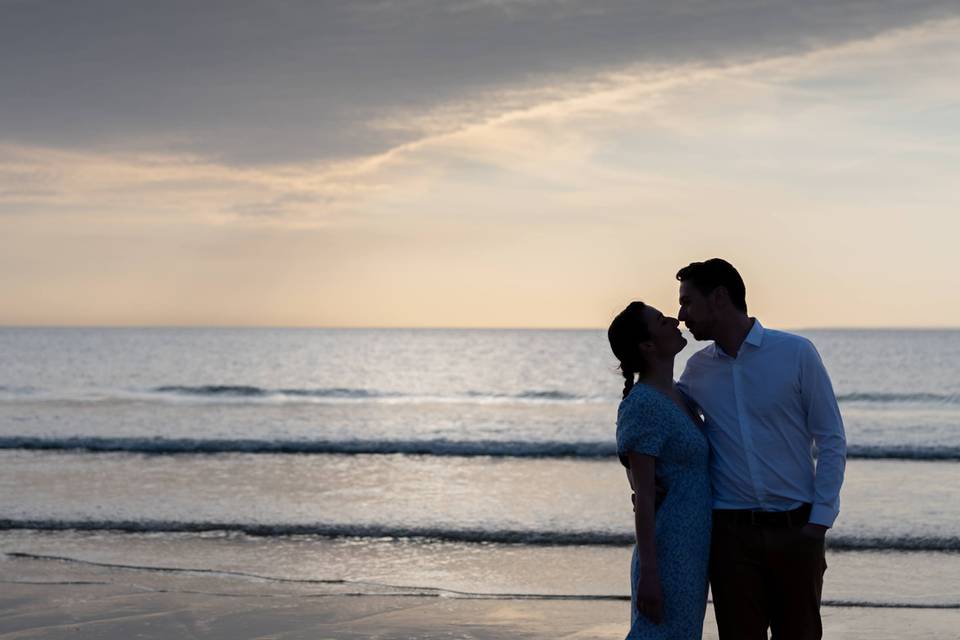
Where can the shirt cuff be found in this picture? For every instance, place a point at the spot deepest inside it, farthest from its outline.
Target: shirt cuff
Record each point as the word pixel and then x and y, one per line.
pixel 823 515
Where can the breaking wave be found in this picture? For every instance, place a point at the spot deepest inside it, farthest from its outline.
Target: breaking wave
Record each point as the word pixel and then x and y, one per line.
pixel 502 536
pixel 436 447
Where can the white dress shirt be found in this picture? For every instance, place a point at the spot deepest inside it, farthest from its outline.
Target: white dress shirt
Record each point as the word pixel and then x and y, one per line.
pixel 764 410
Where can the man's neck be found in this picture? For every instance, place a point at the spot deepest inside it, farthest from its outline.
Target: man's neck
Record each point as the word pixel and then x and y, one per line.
pixel 731 337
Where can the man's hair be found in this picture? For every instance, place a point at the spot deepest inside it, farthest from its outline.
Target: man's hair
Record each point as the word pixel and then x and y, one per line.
pixel 716 272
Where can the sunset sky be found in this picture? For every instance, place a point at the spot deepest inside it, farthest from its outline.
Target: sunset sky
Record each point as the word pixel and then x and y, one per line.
pixel 476 163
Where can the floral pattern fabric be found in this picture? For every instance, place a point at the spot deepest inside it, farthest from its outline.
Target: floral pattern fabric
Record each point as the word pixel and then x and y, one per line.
pixel 649 422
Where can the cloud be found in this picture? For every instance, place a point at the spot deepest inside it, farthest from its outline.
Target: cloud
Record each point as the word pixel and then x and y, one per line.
pixel 574 146
pixel 826 175
pixel 159 188
pixel 278 83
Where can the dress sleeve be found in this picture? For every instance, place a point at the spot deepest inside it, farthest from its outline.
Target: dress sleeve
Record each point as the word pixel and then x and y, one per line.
pixel 639 426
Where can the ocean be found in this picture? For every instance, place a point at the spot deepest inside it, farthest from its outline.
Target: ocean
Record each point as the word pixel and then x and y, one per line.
pixel 464 463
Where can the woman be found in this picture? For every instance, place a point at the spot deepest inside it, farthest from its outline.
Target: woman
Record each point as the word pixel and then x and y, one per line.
pixel 660 443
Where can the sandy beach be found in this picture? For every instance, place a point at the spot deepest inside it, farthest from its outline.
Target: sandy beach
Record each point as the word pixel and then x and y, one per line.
pixel 50 599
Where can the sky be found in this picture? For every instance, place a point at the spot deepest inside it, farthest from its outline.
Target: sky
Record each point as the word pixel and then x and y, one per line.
pixel 476 163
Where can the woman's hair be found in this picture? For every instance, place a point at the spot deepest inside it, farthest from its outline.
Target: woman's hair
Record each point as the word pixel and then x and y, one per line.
pixel 625 334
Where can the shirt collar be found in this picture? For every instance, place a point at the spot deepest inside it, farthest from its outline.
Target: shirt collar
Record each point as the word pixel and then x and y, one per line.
pixel 754 339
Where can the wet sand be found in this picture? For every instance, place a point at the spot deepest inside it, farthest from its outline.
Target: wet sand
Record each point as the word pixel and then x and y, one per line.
pixel 56 600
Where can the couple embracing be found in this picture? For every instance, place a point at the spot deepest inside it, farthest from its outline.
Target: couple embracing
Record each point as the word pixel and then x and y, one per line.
pixel 726 487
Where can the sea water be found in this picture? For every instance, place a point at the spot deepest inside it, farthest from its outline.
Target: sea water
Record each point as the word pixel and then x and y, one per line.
pixel 460 462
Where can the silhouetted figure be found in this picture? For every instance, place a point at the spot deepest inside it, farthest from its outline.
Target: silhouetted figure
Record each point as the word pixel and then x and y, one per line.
pixel 766 400
pixel 660 443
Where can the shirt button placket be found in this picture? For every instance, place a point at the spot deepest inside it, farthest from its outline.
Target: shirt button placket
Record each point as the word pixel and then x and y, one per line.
pixel 746 432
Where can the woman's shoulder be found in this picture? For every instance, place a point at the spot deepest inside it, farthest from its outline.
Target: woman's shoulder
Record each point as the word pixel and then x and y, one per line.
pixel 641 422
pixel 641 401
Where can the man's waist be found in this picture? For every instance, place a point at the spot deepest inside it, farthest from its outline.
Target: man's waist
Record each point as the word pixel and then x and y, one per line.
pixel 762 518
pixel 770 493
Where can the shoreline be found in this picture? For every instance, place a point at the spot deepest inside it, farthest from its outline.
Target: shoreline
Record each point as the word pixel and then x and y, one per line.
pixel 58 600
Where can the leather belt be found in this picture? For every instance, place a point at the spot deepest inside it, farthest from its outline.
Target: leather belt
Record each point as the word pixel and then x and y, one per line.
pixel 793 518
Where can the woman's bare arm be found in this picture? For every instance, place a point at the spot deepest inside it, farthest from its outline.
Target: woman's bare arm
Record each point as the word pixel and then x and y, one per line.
pixel 643 481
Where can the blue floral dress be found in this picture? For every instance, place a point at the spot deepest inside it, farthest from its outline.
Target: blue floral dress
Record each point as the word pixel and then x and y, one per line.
pixel 650 423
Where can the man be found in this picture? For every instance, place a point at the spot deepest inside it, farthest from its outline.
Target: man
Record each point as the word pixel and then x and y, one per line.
pixel 766 400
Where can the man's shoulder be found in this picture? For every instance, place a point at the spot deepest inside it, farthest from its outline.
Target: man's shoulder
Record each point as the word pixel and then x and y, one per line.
pixel 784 349
pixel 703 355
pixel 779 338
pixel 697 368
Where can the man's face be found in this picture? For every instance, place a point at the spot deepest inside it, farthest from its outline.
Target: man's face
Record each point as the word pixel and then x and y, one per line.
pixel 696 311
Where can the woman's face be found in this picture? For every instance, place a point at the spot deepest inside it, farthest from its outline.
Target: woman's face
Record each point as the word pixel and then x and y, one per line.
pixel 664 332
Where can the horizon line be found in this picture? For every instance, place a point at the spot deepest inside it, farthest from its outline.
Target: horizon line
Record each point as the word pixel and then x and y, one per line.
pixel 440 327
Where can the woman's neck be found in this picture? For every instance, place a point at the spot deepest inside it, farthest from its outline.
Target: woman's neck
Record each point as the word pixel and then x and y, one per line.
pixel 659 374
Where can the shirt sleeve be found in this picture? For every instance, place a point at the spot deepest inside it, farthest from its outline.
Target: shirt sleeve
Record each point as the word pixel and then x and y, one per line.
pixel 826 427
pixel 638 427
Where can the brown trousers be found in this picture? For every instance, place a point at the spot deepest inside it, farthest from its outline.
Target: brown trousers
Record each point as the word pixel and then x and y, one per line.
pixel 765 575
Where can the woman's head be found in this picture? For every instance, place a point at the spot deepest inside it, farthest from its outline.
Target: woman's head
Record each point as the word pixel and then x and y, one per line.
pixel 640 335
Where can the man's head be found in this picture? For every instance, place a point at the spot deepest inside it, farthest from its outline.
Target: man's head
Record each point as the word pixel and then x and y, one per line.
pixel 711 294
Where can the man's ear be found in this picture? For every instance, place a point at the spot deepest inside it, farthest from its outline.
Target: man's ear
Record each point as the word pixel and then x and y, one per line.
pixel 648 346
pixel 720 297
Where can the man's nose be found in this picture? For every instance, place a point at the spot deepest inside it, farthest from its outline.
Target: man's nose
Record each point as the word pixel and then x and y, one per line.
pixel 681 316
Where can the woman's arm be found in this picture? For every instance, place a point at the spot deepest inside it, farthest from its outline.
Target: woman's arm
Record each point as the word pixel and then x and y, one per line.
pixel 649 593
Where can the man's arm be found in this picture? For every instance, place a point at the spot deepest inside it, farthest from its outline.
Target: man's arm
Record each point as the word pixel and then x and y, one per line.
pixel 826 427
